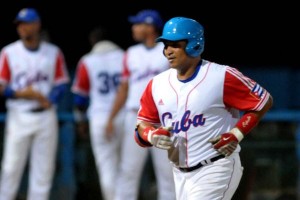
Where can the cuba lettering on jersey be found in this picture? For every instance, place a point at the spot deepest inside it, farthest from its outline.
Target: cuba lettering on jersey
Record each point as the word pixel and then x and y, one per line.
pixel 196 106
pixel 140 65
pixel 41 68
pixel 185 122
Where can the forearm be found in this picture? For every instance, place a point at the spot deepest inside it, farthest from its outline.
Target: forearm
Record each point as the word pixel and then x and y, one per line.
pixel 138 134
pixel 141 126
pixel 146 135
pixel 249 120
pixel 26 93
pixel 120 100
pixel 226 143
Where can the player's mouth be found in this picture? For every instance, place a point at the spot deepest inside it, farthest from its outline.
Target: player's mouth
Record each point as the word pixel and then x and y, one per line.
pixel 171 59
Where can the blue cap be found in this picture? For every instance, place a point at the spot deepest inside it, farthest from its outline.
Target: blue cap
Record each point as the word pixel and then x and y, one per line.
pixel 27 15
pixel 147 16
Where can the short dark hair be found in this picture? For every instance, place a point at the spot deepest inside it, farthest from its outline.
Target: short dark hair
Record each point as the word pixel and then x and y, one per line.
pixel 97 34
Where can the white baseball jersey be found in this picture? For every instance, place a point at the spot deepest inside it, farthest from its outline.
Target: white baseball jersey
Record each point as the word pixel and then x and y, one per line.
pixel 200 108
pixel 140 65
pixel 43 69
pixel 98 76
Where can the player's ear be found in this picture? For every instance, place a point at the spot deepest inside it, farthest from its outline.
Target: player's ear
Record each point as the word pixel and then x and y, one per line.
pixel 164 49
pixel 164 52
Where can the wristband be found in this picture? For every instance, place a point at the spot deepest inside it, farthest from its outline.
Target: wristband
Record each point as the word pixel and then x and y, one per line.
pixel 8 92
pixel 139 140
pixel 247 122
pixel 237 133
pixel 147 134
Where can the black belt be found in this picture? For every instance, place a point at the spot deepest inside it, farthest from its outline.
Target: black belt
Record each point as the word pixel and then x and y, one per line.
pixel 35 110
pixel 189 169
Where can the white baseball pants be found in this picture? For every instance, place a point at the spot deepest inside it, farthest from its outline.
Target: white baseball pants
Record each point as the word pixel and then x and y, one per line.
pixel 34 136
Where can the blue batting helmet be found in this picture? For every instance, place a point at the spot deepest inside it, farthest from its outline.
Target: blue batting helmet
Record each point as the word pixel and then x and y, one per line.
pixel 182 28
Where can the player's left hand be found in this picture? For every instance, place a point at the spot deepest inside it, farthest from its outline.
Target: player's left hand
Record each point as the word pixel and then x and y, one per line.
pixel 82 129
pixel 225 143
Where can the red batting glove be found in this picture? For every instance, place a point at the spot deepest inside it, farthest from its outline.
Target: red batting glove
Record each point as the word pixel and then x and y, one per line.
pixel 160 137
pixel 225 143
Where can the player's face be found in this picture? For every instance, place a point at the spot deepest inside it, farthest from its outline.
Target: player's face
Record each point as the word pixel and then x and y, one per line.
pixel 140 32
pixel 176 55
pixel 28 31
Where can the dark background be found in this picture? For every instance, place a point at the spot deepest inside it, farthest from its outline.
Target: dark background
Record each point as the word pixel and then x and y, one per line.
pixel 259 37
pixel 240 34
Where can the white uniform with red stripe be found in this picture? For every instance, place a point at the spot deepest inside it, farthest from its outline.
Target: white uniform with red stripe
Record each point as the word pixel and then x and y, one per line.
pixel 142 64
pixel 200 108
pixel 26 131
pixel 97 77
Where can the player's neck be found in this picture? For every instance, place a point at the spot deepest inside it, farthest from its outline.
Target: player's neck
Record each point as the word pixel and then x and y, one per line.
pixel 150 41
pixel 188 71
pixel 150 44
pixel 31 43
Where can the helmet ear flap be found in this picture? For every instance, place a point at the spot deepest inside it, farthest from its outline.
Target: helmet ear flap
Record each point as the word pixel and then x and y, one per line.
pixel 194 49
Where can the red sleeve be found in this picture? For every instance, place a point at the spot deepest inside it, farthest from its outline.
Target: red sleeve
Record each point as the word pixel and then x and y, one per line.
pixel 148 111
pixel 125 72
pixel 243 93
pixel 4 68
pixel 61 74
pixel 81 83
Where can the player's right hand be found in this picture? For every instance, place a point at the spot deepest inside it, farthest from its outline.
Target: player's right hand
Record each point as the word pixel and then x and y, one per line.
pixel 109 130
pixel 160 137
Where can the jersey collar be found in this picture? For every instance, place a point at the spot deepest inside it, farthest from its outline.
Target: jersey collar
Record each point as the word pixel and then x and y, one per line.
pixel 194 74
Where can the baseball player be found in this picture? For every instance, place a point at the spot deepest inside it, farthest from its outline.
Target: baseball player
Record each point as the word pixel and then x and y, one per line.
pixel 141 62
pixel 95 85
pixel 192 112
pixel 33 78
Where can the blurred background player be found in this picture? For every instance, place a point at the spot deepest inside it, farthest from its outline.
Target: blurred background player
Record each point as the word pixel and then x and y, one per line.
pixel 95 85
pixel 33 78
pixel 142 61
